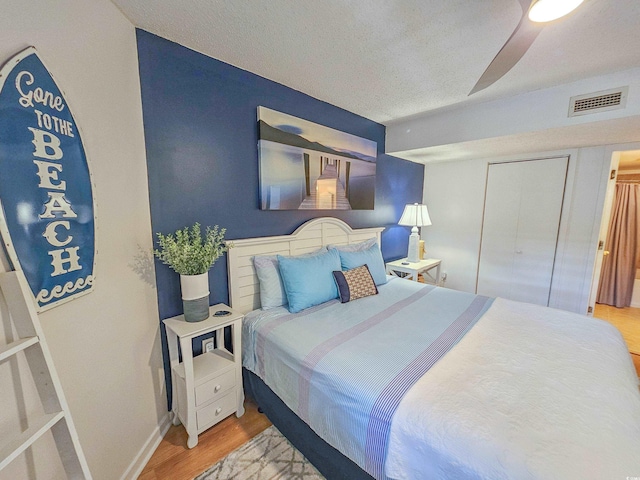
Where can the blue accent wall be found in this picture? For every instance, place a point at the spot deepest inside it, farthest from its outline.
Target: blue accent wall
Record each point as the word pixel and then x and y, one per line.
pixel 201 133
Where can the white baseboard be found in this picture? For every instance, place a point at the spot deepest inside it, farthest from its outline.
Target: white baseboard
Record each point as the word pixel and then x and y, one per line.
pixel 147 450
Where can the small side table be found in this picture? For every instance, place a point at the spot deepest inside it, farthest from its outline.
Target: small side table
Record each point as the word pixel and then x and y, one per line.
pixel 207 388
pixel 402 268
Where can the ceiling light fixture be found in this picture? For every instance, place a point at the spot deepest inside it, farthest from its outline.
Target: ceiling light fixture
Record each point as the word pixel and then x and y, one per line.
pixel 548 10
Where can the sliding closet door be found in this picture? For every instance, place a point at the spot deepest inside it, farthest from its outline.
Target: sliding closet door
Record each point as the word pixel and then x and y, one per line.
pixel 520 229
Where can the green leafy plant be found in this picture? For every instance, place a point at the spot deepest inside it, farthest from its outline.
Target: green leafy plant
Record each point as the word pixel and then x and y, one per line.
pixel 188 253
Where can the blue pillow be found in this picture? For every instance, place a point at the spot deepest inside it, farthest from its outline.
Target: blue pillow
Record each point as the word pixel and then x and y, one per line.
pixel 371 257
pixel 272 292
pixel 309 281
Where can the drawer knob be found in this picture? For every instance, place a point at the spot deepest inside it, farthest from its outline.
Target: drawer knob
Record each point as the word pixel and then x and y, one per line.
pixel 218 410
pixel 217 388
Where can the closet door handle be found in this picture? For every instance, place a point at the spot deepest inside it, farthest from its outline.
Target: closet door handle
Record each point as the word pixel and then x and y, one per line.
pixel 605 253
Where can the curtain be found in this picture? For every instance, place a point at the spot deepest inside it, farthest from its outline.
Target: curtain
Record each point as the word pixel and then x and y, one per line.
pixel 619 267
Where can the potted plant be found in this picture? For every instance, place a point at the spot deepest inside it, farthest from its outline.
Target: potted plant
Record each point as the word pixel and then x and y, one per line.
pixel 191 255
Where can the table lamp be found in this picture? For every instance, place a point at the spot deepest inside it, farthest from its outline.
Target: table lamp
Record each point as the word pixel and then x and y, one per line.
pixel 414 216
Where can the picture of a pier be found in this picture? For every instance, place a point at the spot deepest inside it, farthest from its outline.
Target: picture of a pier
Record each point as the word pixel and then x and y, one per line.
pixel 306 166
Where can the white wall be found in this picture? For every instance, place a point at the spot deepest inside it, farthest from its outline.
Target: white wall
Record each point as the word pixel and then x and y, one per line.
pixel 454 193
pixel 105 345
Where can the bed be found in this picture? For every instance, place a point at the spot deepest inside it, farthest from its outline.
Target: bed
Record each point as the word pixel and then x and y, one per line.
pixel 418 381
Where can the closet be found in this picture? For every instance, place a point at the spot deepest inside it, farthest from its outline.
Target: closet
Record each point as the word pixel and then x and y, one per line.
pixel 523 204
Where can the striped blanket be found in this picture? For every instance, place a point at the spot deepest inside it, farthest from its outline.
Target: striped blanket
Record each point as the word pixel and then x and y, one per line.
pixel 344 368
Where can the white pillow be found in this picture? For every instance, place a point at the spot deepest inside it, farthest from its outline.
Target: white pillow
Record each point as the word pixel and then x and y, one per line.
pixel 356 247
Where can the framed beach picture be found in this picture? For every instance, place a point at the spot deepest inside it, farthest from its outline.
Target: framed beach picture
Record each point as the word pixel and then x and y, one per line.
pixel 306 166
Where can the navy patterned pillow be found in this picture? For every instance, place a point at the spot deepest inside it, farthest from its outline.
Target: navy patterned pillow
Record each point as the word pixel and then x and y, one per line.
pixel 355 283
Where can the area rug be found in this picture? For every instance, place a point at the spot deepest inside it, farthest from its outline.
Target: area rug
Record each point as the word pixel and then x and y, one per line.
pixel 267 456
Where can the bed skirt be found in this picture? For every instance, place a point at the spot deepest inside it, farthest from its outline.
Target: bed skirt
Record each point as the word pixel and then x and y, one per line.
pixel 329 461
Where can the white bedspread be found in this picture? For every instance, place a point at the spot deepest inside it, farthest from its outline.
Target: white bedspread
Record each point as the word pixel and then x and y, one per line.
pixel 529 393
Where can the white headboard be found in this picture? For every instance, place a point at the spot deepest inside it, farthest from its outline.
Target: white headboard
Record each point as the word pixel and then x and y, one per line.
pixel 244 290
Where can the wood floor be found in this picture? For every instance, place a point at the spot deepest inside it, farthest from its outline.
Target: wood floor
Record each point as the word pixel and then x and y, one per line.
pixel 173 460
pixel 627 320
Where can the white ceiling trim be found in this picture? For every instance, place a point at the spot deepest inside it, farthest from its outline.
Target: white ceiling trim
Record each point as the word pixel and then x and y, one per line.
pixel 520 122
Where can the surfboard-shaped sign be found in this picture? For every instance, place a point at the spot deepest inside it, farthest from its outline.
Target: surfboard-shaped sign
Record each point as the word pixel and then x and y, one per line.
pixel 47 214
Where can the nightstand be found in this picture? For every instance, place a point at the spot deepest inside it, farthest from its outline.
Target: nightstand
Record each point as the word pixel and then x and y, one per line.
pixel 402 268
pixel 208 388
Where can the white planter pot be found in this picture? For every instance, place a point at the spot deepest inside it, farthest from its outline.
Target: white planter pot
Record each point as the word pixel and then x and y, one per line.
pixel 194 287
pixel 195 296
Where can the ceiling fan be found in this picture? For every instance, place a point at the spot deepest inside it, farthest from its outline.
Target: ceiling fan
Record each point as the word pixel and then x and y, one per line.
pixel 535 14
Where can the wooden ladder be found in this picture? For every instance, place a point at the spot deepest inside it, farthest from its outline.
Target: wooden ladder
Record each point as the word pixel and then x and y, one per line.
pixel 56 411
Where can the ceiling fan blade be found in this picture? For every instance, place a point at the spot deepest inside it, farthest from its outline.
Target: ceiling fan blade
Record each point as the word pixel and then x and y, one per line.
pixel 512 51
pixel 525 4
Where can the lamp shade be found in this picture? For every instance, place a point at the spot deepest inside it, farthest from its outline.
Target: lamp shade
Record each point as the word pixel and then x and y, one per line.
pixel 415 216
pixel 548 10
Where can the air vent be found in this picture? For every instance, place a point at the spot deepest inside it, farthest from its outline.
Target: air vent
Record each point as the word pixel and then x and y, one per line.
pixel 598 101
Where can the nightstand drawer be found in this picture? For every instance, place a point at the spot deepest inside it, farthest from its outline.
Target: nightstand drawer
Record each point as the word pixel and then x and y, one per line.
pixel 217 410
pixel 215 387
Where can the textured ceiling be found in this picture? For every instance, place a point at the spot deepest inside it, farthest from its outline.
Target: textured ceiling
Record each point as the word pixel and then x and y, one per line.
pixel 389 59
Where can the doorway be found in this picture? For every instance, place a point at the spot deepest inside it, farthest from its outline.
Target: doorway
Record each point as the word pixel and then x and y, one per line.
pixel 616 286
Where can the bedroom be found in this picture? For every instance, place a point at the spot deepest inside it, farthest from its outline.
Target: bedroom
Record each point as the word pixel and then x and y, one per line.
pixel 106 345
